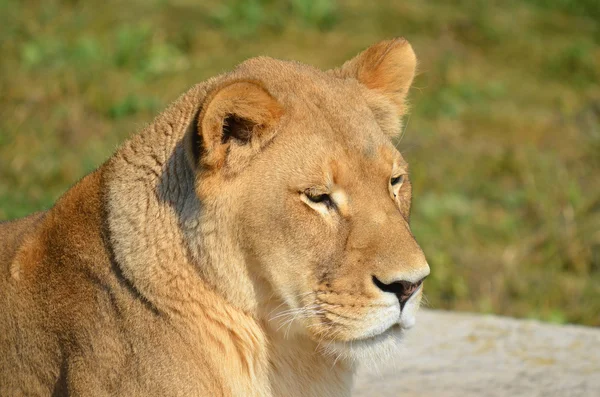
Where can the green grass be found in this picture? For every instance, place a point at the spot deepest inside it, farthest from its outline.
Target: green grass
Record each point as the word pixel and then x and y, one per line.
pixel 503 139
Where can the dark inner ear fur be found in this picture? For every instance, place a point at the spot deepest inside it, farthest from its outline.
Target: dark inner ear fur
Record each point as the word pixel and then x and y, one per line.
pixel 233 127
pixel 237 128
pixel 196 143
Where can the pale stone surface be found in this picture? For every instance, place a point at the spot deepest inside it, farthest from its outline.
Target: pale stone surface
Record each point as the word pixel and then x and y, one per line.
pixel 451 354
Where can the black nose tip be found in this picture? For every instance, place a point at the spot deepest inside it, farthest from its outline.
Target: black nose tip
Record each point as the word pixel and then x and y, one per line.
pixel 402 288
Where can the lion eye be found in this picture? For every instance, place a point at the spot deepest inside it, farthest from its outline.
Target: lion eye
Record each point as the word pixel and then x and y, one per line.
pixel 397 180
pixel 319 198
pixel 313 197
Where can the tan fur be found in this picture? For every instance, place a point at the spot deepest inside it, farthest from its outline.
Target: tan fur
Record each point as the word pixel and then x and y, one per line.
pixel 194 261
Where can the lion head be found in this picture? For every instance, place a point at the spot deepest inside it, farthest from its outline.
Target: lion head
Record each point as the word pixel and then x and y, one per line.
pixel 318 198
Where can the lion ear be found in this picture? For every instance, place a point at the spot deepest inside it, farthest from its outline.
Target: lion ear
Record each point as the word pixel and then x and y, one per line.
pixel 236 120
pixel 388 67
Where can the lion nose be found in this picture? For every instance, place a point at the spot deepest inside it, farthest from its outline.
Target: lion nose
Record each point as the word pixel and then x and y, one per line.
pixel 401 288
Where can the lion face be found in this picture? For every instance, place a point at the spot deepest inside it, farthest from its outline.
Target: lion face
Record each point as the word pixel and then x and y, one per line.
pixel 323 196
pixel 333 237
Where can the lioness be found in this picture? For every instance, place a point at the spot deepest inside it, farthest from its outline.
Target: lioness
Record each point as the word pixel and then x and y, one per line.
pixel 252 241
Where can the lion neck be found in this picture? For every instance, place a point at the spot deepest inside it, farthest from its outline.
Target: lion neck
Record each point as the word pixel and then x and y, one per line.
pixel 170 246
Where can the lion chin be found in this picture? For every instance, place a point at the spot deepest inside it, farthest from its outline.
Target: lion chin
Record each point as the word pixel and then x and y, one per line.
pixel 375 350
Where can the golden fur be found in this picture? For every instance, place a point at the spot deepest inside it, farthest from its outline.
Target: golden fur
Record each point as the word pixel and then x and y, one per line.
pixel 229 249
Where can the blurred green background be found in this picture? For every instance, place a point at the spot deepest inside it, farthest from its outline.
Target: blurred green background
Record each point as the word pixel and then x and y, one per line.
pixel 503 138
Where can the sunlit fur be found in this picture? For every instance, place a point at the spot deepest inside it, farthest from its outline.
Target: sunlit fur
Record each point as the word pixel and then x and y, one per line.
pixel 194 263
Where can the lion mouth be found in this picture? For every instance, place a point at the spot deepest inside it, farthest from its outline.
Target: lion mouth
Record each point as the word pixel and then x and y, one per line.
pixel 406 321
pixel 372 346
